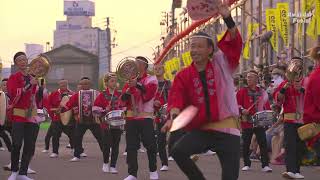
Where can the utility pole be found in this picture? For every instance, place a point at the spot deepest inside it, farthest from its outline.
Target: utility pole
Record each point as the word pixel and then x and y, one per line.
pixel 260 32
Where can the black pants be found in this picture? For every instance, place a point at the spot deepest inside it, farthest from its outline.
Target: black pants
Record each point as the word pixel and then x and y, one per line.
pixel 161 143
pixel 57 129
pixel 262 141
pixel 134 130
pixel 111 139
pixel 294 147
pixel 79 132
pixel 27 134
pixel 48 137
pixel 5 138
pixel 227 147
pixel 173 138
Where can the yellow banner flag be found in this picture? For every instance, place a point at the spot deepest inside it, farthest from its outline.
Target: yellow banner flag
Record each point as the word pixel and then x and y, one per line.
pixel 168 70
pixel 176 64
pixel 317 16
pixel 311 30
pixel 307 5
pixel 251 29
pixel 283 14
pixel 271 21
pixel 220 36
pixel 186 58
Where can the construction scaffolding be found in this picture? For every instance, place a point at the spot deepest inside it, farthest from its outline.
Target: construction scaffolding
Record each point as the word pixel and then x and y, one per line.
pixel 273 31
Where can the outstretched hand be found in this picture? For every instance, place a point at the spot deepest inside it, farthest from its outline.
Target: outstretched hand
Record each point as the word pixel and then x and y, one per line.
pixel 224 10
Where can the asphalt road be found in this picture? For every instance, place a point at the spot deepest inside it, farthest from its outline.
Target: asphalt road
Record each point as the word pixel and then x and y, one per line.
pixel 90 168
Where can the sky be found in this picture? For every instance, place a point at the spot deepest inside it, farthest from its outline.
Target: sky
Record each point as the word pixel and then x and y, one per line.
pixel 33 21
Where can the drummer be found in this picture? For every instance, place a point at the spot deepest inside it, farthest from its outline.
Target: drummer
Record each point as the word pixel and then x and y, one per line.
pixel 56 124
pixel 251 100
pixel 290 95
pixel 139 123
pixel 107 101
pixel 86 121
pixel 160 100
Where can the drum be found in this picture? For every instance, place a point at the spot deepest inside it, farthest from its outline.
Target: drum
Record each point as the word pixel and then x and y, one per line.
pixel 3 108
pixel 264 118
pixel 115 119
pixel 308 131
pixel 86 101
pixel 66 116
pixel 163 113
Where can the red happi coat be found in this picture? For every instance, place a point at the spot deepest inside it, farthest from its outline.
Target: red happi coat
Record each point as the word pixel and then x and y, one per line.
pixel 245 101
pixel 311 113
pixel 293 99
pixel 103 101
pixel 20 99
pixel 73 104
pixel 54 102
pixel 143 99
pixel 187 88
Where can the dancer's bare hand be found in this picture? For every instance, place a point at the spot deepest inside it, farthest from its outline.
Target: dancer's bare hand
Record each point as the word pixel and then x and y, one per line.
pixel 224 10
pixel 167 126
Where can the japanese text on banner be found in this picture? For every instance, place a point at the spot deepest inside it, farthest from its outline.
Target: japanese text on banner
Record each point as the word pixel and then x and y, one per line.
pixel 283 10
pixel 271 21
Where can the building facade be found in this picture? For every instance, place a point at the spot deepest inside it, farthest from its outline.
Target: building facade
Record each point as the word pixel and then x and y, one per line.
pixel 78 31
pixel 71 63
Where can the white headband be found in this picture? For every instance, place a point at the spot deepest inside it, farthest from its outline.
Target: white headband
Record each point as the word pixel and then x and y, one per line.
pixel 21 56
pixel 200 36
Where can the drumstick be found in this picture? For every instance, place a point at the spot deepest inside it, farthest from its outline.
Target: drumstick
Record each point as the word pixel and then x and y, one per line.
pixel 253 104
pixel 111 97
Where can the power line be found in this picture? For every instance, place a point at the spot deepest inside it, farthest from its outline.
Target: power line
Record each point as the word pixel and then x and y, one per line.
pixel 135 46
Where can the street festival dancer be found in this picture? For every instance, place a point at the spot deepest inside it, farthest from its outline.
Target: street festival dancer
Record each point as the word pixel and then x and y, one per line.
pixel 253 99
pixel 56 124
pixel 290 94
pixel 161 100
pixel 26 97
pixel 84 100
pixel 208 85
pixel 139 97
pixel 109 100
pixel 311 112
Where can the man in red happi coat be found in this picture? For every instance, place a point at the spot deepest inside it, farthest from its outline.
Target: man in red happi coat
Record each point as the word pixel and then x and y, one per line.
pixel 311 112
pixel 290 95
pixel 253 99
pixel 138 96
pixel 161 100
pixel 56 124
pixel 208 84
pixel 107 101
pixel 26 97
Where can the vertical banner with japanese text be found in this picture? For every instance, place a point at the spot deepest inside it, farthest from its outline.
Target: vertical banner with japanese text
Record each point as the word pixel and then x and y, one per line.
pixel 283 10
pixel 271 21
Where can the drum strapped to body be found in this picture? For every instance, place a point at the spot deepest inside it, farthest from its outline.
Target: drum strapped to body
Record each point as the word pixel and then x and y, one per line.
pixel 86 101
pixel 3 108
pixel 65 116
pixel 115 119
pixel 264 118
pixel 308 131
